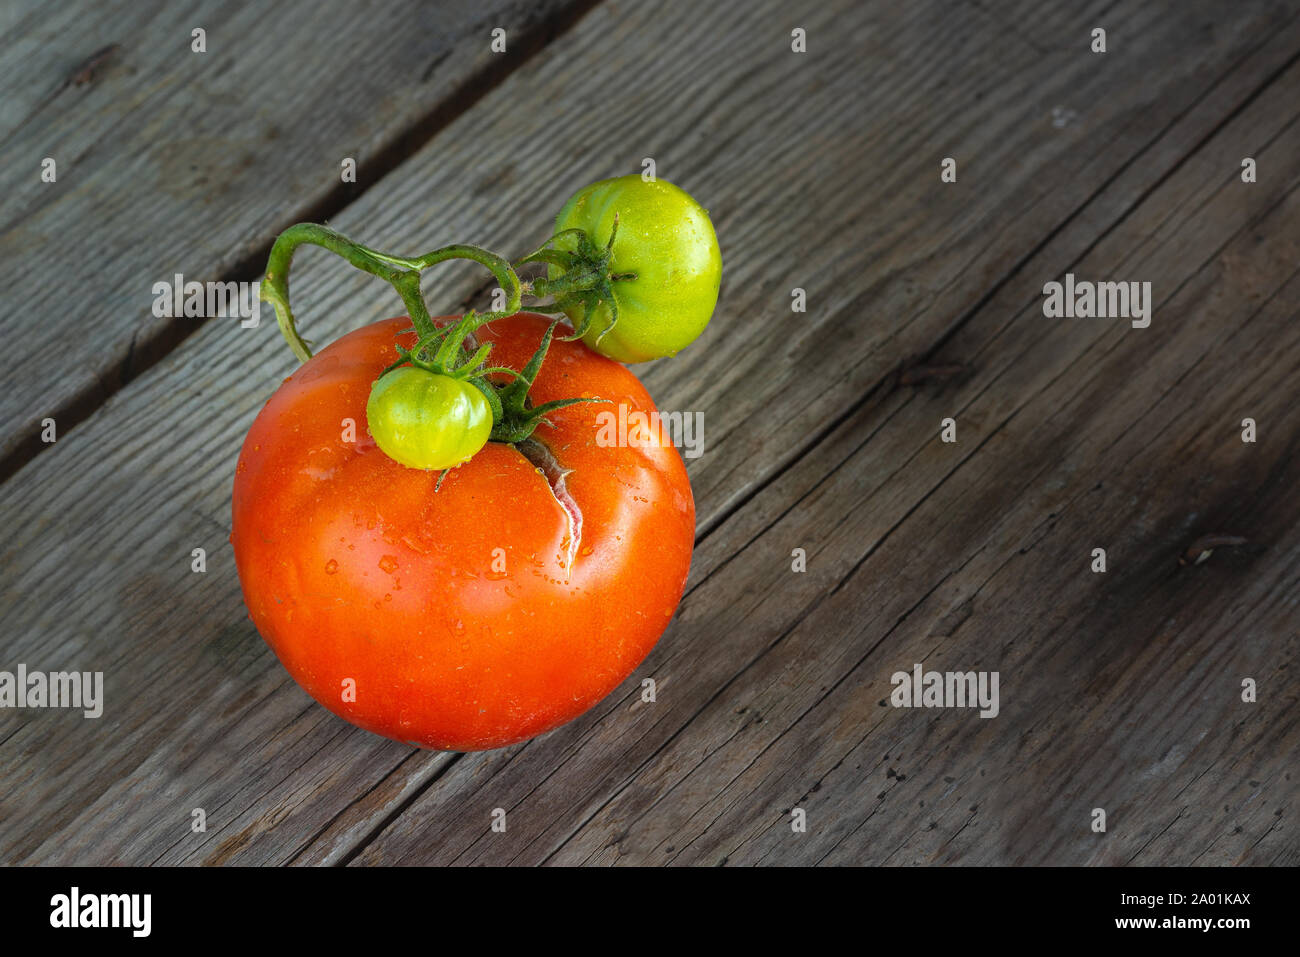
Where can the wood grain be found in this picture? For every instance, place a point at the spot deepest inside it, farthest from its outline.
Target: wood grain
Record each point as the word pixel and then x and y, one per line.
pixel 720 657
pixel 171 161
pixel 769 682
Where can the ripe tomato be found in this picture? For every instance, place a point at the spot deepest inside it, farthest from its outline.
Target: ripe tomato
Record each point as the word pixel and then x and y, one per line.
pixel 494 609
pixel 426 420
pixel 666 240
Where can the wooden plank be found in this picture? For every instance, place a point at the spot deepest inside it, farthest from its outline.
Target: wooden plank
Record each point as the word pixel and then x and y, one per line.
pixel 170 161
pixel 1120 692
pixel 768 706
pixel 104 523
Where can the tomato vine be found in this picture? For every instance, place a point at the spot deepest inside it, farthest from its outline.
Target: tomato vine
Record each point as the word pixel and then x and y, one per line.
pixel 452 350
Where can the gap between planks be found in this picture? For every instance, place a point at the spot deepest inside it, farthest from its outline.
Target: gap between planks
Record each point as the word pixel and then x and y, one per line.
pixel 146 353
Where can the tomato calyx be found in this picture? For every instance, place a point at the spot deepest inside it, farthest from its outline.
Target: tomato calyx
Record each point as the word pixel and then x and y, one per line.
pixel 514 416
pixel 582 281
pixel 518 418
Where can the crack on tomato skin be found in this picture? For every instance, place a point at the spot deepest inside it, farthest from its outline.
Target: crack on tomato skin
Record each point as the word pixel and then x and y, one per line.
pixel 543 459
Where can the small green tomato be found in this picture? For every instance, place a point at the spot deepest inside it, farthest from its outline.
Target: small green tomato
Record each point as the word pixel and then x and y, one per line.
pixel 427 421
pixel 664 239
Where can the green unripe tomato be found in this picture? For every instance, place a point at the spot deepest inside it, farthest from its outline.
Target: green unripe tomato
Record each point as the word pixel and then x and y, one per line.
pixel 425 420
pixel 666 239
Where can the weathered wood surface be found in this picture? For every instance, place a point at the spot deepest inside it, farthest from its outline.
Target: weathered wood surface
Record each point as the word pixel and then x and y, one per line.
pixel 1119 690
pixel 173 161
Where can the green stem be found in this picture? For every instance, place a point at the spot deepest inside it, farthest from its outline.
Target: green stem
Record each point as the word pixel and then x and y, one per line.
pixel 452 349
pixel 402 274
pixel 566 283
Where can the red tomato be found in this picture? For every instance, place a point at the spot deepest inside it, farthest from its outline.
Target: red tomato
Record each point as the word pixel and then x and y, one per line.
pixel 484 613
